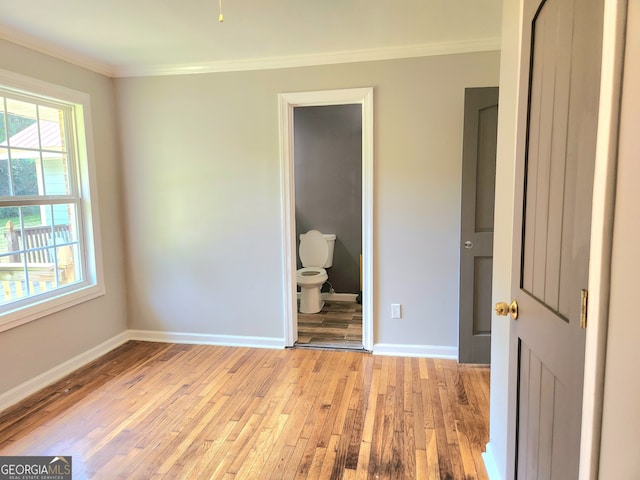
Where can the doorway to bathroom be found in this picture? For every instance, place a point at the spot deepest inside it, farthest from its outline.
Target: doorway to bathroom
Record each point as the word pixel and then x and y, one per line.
pixel 327 185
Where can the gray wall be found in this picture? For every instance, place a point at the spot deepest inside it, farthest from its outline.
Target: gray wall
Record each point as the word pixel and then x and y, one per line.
pixel 201 160
pixel 36 347
pixel 328 184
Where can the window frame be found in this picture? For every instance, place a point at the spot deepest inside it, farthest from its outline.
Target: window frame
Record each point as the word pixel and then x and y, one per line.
pixel 84 180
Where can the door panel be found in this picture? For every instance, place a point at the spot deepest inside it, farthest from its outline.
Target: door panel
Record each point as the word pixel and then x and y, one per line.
pixel 559 158
pixel 542 399
pixel 559 175
pixel 476 231
pixel 483 273
pixel 486 161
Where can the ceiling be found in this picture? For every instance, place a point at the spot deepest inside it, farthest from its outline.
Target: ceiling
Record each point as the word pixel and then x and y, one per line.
pixel 153 37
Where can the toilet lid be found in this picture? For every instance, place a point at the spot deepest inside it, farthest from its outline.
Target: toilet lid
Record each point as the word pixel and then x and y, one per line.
pixel 313 249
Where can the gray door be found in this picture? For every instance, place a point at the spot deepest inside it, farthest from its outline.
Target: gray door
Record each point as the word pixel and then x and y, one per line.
pixel 476 223
pixel 551 261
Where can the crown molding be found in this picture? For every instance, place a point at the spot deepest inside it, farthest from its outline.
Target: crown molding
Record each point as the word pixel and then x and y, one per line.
pixel 292 61
pixel 267 63
pixel 24 40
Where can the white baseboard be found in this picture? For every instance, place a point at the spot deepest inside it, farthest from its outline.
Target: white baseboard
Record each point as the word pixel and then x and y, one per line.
pixel 430 351
pixel 29 387
pixel 340 297
pixel 206 339
pixel 337 297
pixel 490 464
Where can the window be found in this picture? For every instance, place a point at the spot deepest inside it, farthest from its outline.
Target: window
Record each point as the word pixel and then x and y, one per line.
pixel 48 259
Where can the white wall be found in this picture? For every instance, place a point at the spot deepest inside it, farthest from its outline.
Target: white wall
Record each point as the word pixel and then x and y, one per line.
pixel 32 349
pixel 201 174
pixel 501 445
pixel 621 417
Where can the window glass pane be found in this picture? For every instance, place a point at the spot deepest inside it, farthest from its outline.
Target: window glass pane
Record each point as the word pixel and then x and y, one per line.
pixel 24 231
pixel 54 174
pixel 64 219
pixel 39 250
pixel 41 277
pixel 21 119
pixel 12 280
pixel 24 172
pixel 32 215
pixel 36 234
pixel 10 240
pixel 69 270
pixel 9 260
pixel 3 129
pixel 66 240
pixel 51 129
pixel 5 189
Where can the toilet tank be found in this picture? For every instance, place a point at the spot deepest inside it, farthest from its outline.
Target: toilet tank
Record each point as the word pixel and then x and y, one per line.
pixel 310 256
pixel 331 243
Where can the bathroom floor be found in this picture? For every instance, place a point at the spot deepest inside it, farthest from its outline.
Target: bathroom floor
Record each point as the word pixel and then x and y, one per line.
pixel 337 325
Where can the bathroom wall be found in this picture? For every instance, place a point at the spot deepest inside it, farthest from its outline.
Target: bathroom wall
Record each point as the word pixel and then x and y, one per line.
pixel 328 184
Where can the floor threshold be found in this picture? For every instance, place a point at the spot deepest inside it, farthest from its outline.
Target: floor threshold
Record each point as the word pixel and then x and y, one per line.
pixel 325 346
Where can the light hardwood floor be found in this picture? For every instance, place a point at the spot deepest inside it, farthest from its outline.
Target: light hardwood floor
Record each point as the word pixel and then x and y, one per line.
pixel 152 411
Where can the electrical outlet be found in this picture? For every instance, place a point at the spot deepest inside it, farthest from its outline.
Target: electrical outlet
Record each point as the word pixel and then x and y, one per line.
pixel 396 310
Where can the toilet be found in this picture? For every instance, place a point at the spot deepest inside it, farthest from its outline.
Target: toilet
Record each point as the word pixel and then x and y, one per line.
pixel 316 254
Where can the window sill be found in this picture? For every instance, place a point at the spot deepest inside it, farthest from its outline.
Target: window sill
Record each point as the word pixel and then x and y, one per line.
pixel 33 311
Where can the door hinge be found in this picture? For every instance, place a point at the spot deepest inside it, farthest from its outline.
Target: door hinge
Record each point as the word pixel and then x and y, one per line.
pixel 583 308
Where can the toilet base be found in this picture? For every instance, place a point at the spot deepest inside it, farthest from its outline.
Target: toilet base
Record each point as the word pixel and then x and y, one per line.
pixel 310 300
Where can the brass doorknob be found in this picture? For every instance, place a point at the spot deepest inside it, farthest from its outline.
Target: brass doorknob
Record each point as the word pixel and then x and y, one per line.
pixel 503 309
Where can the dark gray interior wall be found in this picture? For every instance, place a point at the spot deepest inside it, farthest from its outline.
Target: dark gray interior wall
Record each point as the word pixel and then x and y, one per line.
pixel 328 184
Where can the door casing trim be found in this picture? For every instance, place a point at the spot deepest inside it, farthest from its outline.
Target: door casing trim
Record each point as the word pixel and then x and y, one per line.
pixel 287 102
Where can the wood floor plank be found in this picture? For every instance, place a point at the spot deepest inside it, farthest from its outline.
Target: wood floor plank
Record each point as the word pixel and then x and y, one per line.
pixel 164 411
pixel 291 468
pixel 338 324
pixel 433 462
pixel 357 431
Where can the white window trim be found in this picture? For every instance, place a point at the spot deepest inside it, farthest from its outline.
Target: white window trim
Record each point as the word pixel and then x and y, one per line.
pixel 93 286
